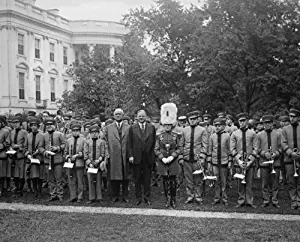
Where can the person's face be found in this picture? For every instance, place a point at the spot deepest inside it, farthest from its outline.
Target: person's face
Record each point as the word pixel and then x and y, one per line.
pixel 87 127
pixel 50 127
pixel 94 134
pixel 260 127
pixel 168 127
pixel 75 132
pixel 219 127
pixel 243 122
pixel 34 127
pixel 118 116
pixel 268 125
pixel 199 119
pixel 193 121
pixel 228 121
pixel 293 118
pixel 141 117
pixel 45 115
pixel 286 123
pixel 17 125
pixel 206 120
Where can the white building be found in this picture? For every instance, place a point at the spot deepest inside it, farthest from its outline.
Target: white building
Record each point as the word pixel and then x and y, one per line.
pixel 36 48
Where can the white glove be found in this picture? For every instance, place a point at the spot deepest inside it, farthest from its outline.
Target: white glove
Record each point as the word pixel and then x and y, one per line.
pixel 29 157
pixel 165 160
pixel 170 159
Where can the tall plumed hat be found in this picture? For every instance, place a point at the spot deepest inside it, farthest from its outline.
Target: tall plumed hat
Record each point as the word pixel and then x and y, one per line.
pixel 168 114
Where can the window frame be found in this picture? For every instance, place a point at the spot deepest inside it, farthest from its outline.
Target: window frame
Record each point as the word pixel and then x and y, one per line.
pixel 37 52
pixel 21 90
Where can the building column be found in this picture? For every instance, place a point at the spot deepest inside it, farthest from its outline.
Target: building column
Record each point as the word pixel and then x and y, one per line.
pixel 111 52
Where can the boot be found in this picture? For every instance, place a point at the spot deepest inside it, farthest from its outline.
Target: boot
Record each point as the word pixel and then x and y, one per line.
pixel 35 186
pixel 40 184
pixel 29 187
pixel 22 183
pixel 173 188
pixel 166 184
pixel 8 185
pixel 17 186
pixel 1 187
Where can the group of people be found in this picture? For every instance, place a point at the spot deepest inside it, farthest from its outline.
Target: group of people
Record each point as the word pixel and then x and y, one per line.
pixel 203 150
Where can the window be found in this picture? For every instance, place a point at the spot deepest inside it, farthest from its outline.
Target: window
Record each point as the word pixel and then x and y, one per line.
pixel 38 88
pixel 65 56
pixel 37 48
pixel 66 84
pixel 20 44
pixel 52 49
pixel 21 85
pixel 52 88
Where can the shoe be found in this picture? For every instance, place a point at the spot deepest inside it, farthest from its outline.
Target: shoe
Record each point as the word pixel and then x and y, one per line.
pixel 240 205
pixel 79 201
pixel 99 200
pixel 114 200
pixel 125 200
pixel 215 202
pixel 276 205
pixel 72 200
pixel 188 201
pixel 53 199
pixel 251 205
pixel 167 204
pixel 138 202
pixel 173 203
pixel 147 201
pixel 265 205
pixel 90 201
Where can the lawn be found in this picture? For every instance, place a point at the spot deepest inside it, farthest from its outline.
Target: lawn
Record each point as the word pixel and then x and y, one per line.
pixel 54 226
pixel 158 200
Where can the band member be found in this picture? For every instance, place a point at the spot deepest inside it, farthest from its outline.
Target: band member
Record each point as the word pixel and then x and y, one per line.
pixel 4 145
pixel 182 121
pixel 220 160
pixel 168 148
pixel 242 150
pixel 35 148
pixel 54 146
pixel 284 121
pixel 95 157
pixel 74 154
pixel 230 127
pixel 141 143
pixel 209 128
pixel 18 142
pixel 290 143
pixel 116 136
pixel 195 142
pixel 268 148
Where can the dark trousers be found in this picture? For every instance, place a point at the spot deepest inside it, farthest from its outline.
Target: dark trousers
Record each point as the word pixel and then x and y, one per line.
pixel 142 175
pixel 115 188
pixel 270 184
pixel 245 191
pixel 293 184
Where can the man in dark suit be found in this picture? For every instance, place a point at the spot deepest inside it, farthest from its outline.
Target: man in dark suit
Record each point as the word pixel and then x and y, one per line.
pixel 141 143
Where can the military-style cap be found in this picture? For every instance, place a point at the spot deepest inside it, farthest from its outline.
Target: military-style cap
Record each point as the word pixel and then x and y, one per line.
pixel 294 112
pixel 51 115
pixel 207 115
pixel 194 114
pixel 220 121
pixel 259 121
pixel 96 116
pixel 67 117
pixel 17 119
pixel 49 121
pixel 87 124
pixel 31 113
pixel 94 128
pixel 2 118
pixel 126 118
pixel 229 116
pixel 242 116
pixel 155 119
pixel 221 115
pixel 267 118
pixel 182 118
pixel 34 120
pixel 109 121
pixel 75 126
pixel 46 112
pixel 78 117
pixel 85 117
pixel 284 118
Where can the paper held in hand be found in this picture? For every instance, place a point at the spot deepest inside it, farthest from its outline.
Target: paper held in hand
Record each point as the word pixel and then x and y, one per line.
pixel 68 165
pixel 268 162
pixel 50 152
pixel 11 152
pixel 239 176
pixel 35 161
pixel 211 178
pixel 197 172
pixel 92 170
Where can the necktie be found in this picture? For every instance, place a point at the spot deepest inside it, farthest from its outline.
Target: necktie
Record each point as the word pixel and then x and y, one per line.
pixel 94 149
pixel 295 135
pixel 219 148
pixel 33 142
pixel 16 136
pixel 244 147
pixel 192 144
pixel 269 138
pixel 75 145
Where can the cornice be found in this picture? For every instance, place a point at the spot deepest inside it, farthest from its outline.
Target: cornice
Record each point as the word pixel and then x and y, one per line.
pixel 13 14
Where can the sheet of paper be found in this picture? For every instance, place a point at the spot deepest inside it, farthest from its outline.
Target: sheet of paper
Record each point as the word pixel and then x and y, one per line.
pixel 35 161
pixel 197 172
pixel 239 176
pixel 50 152
pixel 92 170
pixel 268 162
pixel 68 165
pixel 11 152
pixel 211 178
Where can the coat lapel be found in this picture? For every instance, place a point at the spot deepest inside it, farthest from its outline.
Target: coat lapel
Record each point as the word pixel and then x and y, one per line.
pixel 115 130
pixel 138 131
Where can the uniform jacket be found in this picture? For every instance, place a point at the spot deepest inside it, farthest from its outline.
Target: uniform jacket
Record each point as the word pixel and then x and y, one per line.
pixel 21 140
pixel 236 144
pixel 230 129
pixel 88 150
pixel 4 142
pixel 117 150
pixel 136 144
pixel 287 141
pixel 69 149
pixel 59 141
pixel 224 146
pixel 39 145
pixel 210 130
pixel 175 142
pixel 262 146
pixel 200 142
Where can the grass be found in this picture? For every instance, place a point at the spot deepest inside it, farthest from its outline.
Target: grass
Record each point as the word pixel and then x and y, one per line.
pixel 54 226
pixel 158 200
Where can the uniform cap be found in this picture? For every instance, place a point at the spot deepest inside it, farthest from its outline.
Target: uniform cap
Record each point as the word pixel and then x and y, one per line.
pixel 221 115
pixel 294 112
pixel 16 119
pixel 219 121
pixel 229 116
pixel 267 118
pixel 194 114
pixel 207 115
pixel 126 118
pixel 284 118
pixel 182 118
pixel 34 120
pixel 31 113
pixel 242 115
pixel 94 128
pixel 49 121
pixel 87 124
pixel 67 117
pixel 76 126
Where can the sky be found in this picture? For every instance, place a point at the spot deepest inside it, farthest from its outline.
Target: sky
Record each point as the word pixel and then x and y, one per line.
pixel 109 10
